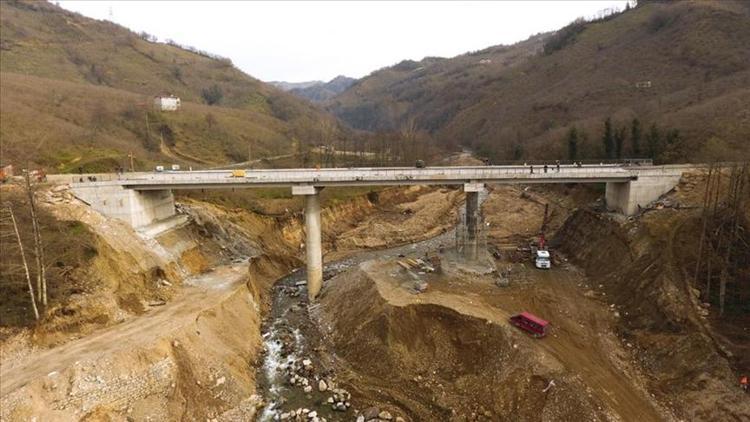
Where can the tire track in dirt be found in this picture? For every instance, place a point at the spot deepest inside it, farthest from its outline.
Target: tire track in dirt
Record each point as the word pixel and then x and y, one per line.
pixel 131 334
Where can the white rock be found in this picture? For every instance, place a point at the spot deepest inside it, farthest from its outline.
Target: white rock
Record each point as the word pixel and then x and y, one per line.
pixel 322 386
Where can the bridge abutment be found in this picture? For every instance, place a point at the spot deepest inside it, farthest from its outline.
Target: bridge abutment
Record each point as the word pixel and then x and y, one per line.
pixel 137 208
pixel 628 197
pixel 313 239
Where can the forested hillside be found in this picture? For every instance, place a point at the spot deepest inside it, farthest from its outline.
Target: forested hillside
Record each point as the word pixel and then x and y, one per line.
pixel 79 92
pixel 677 74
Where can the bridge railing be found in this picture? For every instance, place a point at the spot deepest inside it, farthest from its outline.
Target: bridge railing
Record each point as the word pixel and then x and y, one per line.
pixel 380 174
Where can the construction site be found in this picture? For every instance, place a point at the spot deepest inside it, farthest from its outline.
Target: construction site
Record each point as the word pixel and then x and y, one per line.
pixel 538 304
pixel 316 211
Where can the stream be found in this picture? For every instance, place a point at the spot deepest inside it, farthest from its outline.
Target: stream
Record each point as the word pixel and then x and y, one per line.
pixel 292 341
pixel 295 361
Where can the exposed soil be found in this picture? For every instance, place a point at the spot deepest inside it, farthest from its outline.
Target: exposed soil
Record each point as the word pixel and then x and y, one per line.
pixel 171 328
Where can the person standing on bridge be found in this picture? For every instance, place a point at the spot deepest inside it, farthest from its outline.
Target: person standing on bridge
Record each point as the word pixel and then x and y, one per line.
pixel 557 164
pixel 545 168
pixel 532 168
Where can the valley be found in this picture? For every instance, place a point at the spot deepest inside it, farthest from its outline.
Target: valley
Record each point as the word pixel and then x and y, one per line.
pixel 551 229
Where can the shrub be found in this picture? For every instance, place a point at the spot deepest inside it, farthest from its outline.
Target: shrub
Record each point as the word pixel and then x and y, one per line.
pixel 659 20
pixel 212 95
pixel 564 36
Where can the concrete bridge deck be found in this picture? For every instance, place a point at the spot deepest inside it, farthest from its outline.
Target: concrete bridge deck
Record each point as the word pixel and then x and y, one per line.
pixel 376 177
pixel 144 198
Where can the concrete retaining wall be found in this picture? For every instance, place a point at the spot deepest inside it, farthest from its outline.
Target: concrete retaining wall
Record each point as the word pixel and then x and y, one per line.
pixel 137 208
pixel 651 184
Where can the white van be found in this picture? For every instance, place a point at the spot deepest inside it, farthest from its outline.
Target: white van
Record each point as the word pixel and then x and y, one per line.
pixel 542 259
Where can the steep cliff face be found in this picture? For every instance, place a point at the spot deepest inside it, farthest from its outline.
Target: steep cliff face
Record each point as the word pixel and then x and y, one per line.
pixel 638 267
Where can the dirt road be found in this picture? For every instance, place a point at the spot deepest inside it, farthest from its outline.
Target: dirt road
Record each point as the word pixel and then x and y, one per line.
pixel 204 291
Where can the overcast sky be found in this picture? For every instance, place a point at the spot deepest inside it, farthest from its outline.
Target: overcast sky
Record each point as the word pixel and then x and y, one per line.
pixel 301 41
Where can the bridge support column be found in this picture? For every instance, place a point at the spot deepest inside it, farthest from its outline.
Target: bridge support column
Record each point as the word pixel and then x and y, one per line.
pixel 472 219
pixel 313 244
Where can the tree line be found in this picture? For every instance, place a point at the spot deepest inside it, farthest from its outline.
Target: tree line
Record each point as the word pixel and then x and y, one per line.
pixel 39 255
pixel 619 140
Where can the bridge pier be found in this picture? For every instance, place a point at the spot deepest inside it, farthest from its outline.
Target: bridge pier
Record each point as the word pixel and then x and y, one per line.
pixel 313 243
pixel 472 219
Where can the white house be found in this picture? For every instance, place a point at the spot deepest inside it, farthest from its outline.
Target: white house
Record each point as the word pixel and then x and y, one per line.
pixel 167 102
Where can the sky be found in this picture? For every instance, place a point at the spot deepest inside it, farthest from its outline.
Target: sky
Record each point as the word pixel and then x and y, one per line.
pixel 311 40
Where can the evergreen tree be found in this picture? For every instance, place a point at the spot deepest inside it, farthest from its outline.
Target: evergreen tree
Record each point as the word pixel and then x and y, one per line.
pixel 619 141
pixel 653 141
pixel 573 144
pixel 517 151
pixel 674 148
pixel 635 137
pixel 608 139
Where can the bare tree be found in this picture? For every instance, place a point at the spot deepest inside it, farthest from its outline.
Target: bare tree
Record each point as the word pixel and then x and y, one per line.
pixel 24 262
pixel 41 279
pixel 409 134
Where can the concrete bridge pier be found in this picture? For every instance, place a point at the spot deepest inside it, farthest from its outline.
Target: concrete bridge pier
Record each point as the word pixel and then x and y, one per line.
pixel 313 243
pixel 472 191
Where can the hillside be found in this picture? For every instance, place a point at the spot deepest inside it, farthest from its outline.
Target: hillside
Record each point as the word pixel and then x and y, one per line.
pixel 316 91
pixel 288 86
pixel 519 101
pixel 325 90
pixel 78 92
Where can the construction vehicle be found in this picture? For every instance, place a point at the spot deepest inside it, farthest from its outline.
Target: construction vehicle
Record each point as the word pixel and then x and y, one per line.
pixel 542 259
pixel 238 173
pixel 530 323
pixel 540 254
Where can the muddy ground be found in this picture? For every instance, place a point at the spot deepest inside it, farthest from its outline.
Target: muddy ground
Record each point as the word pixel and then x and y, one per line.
pixel 195 325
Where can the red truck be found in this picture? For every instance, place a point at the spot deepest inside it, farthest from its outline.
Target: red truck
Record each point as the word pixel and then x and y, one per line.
pixel 530 323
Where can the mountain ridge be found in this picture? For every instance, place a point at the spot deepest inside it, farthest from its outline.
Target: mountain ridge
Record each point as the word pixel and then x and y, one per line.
pixel 510 102
pixel 78 92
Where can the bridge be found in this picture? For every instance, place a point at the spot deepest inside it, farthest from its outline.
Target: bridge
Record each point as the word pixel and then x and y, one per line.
pixel 141 199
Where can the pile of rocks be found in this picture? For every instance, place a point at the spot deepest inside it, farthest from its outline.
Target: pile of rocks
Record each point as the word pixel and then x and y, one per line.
pixel 376 415
pixel 291 291
pixel 301 414
pixel 339 401
pixel 299 372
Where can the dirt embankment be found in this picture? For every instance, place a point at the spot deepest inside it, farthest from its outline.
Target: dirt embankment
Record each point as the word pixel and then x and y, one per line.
pixel 635 265
pixel 449 354
pixel 170 328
